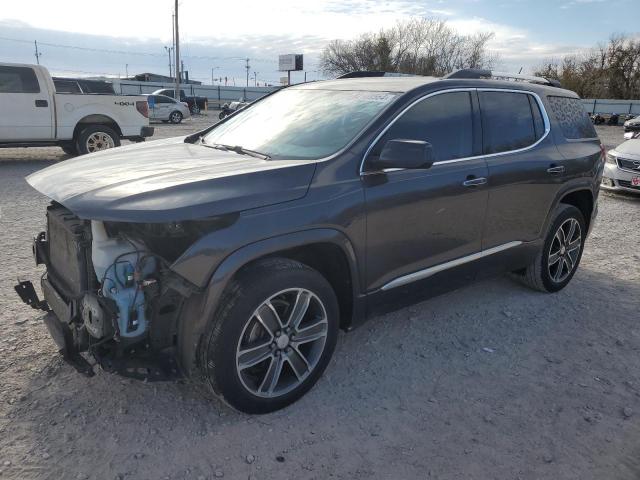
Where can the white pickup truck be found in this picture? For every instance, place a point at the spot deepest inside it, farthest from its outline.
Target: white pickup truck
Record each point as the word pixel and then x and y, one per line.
pixel 33 114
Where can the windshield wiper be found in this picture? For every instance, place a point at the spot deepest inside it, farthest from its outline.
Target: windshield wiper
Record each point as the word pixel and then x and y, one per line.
pixel 237 149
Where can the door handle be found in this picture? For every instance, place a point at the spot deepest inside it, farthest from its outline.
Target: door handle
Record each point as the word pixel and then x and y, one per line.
pixel 472 182
pixel 42 103
pixel 555 169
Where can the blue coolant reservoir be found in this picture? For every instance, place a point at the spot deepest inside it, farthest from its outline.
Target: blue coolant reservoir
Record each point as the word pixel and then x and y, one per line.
pixel 115 261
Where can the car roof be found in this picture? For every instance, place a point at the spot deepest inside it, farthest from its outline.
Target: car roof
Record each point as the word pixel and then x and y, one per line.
pixel 373 84
pixel 408 83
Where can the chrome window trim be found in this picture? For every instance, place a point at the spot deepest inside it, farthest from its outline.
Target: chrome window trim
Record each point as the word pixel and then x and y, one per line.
pixel 543 112
pixel 428 272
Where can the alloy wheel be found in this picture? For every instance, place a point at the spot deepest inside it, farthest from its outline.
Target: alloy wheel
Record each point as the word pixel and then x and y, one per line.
pixel 98 141
pixel 564 250
pixel 281 343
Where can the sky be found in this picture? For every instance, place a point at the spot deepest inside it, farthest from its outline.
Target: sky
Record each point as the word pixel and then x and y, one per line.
pixel 129 36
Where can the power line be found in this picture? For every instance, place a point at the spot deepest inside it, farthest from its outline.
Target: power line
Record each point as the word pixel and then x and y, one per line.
pixel 132 52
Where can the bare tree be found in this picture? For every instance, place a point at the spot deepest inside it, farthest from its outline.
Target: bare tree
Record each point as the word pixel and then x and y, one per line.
pixel 422 46
pixel 609 70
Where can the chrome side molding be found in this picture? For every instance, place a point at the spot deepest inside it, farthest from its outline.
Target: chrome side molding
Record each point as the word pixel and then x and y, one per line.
pixel 427 272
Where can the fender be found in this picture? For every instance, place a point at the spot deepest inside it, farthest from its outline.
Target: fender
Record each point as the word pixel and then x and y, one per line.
pixel 200 308
pixel 582 184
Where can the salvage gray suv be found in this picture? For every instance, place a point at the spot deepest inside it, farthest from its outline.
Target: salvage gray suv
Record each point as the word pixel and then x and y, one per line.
pixel 235 255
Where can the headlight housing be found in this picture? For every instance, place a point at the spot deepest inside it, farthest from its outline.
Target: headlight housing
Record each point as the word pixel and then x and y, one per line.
pixel 611 159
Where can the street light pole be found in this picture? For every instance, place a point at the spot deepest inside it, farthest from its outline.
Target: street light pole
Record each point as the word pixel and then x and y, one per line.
pixel 177 62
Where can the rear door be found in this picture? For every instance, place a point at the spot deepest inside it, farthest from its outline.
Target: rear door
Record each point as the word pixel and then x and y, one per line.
pixel 419 219
pixel 27 113
pixel 525 168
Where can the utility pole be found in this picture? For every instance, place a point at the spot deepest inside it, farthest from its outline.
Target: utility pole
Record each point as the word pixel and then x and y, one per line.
pixel 255 79
pixel 247 67
pixel 35 42
pixel 126 70
pixel 169 51
pixel 177 63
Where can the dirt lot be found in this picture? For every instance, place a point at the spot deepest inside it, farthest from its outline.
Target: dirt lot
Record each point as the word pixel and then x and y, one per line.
pixel 493 381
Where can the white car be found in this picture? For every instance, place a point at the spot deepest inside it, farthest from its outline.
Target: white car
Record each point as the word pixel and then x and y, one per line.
pixel 622 168
pixel 167 109
pixel 34 114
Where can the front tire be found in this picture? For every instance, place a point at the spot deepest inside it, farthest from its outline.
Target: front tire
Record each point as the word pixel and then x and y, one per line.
pixel 272 337
pixel 95 138
pixel 195 109
pixel 558 260
pixel 175 117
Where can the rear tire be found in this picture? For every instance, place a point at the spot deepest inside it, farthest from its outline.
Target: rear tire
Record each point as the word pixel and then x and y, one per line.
pixel 272 337
pixel 95 138
pixel 558 259
pixel 195 109
pixel 221 115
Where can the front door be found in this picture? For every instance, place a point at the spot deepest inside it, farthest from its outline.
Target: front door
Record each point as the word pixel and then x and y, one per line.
pixel 27 113
pixel 423 220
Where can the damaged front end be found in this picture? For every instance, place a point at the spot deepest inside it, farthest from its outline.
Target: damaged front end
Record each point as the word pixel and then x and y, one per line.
pixel 110 292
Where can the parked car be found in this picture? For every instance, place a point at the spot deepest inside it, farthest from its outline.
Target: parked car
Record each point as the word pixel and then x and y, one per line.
pixel 632 125
pixel 241 250
pixel 167 109
pixel 196 104
pixel 34 114
pixel 622 169
pixel 232 107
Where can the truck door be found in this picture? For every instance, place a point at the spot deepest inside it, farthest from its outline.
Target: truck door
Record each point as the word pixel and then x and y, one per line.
pixel 27 112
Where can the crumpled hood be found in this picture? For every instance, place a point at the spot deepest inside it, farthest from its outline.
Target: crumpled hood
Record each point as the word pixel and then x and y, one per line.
pixel 170 180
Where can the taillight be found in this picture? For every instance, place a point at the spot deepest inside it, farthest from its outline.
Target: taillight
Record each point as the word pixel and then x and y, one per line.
pixel 143 107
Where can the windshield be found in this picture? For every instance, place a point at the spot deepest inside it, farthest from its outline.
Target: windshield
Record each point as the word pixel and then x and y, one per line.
pixel 301 124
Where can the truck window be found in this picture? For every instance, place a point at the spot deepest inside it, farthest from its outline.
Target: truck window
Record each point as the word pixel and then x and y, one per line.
pixel 18 80
pixel 66 86
pixel 507 121
pixel 572 117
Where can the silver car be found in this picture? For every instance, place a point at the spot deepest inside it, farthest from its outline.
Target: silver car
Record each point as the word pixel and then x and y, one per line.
pixel 622 168
pixel 167 109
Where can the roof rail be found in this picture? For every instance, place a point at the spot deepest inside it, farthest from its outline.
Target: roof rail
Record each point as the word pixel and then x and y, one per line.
pixel 514 77
pixel 372 73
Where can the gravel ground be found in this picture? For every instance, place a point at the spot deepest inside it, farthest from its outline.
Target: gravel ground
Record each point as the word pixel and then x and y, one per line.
pixel 493 381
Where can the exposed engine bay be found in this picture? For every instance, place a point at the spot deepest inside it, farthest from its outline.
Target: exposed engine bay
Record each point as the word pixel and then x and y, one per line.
pixel 114 297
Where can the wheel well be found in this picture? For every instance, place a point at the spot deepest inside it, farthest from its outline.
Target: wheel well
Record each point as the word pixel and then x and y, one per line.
pixel 583 201
pixel 96 120
pixel 331 262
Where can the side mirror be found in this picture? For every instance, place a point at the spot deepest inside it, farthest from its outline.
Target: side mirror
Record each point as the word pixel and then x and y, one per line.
pixel 406 154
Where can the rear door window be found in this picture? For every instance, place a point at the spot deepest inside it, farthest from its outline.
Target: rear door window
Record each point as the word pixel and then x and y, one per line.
pixel 573 119
pixel 508 122
pixel 18 80
pixel 444 120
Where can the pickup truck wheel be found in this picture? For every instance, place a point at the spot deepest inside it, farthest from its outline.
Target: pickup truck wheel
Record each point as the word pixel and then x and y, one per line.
pixel 95 138
pixel 195 109
pixel 272 337
pixel 175 117
pixel 557 261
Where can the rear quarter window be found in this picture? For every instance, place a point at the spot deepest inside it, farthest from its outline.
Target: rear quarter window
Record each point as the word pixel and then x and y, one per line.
pixel 573 119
